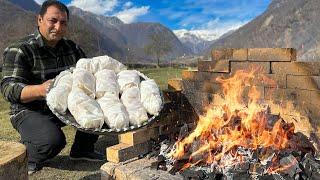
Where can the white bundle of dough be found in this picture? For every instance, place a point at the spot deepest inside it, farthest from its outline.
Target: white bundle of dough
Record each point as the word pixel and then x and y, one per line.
pixel 84 80
pixel 115 114
pixel 84 63
pixel 85 110
pixel 106 83
pixel 57 98
pixel 150 96
pixel 127 79
pixel 64 79
pixel 105 62
pixel 131 100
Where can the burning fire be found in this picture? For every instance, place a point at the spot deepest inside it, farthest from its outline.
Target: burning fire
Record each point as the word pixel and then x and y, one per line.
pixel 235 124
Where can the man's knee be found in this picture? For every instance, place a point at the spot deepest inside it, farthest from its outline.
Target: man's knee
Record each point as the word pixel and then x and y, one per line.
pixel 56 144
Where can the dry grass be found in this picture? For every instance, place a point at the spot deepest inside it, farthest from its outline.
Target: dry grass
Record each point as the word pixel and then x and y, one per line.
pixel 61 167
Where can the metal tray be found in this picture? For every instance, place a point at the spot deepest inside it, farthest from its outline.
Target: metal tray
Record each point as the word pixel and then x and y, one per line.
pixel 105 130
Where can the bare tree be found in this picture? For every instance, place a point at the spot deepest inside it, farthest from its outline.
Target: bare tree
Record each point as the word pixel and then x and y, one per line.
pixel 160 45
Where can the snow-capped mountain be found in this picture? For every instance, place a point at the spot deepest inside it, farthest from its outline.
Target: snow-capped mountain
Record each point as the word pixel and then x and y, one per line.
pixel 196 40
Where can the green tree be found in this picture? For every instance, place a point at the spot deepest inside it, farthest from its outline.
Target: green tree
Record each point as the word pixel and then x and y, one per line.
pixel 160 45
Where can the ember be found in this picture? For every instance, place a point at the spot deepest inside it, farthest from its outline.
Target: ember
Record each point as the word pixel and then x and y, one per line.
pixel 240 135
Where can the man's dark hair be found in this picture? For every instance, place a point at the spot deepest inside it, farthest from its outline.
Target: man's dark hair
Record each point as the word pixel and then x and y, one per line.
pixel 55 3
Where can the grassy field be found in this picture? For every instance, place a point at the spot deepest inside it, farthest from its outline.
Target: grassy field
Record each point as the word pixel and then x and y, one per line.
pixel 61 167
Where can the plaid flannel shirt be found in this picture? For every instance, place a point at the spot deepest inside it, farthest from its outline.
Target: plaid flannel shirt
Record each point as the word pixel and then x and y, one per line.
pixel 29 62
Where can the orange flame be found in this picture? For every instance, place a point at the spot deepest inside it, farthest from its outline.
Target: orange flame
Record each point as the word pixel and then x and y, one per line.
pixel 234 124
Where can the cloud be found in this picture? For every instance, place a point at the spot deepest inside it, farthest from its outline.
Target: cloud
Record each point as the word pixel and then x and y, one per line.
pixel 39 1
pixel 95 6
pixel 218 27
pixel 128 4
pixel 129 15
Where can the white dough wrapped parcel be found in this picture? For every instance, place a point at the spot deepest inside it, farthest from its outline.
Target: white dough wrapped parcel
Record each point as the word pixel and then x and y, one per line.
pixel 105 62
pixel 84 63
pixel 150 96
pixel 57 99
pixel 115 114
pixel 64 79
pixel 85 110
pixel 106 82
pixel 131 100
pixel 127 79
pixel 84 80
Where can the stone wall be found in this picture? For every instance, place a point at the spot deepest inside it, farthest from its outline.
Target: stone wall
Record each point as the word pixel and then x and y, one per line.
pixel 296 89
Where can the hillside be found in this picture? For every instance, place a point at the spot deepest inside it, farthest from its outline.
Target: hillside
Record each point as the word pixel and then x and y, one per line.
pixel 285 23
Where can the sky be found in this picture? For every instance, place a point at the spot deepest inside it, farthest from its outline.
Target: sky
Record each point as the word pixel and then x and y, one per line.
pixel 216 16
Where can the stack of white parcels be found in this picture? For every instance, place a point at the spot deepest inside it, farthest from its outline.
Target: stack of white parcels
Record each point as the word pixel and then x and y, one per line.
pixel 100 89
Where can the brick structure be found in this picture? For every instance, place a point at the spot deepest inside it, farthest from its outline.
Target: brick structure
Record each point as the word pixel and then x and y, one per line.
pixel 297 83
pixel 296 89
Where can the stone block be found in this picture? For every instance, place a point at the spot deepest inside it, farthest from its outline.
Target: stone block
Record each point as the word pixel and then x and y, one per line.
pixel 206 65
pixel 271 80
pixel 189 74
pixel 220 66
pixel 296 68
pixel 272 54
pixel 138 136
pixel 123 152
pixel 199 101
pixel 170 95
pixel 208 87
pixel 138 169
pixel 175 84
pixel 219 54
pixel 303 82
pixel 240 55
pixel 189 117
pixel 295 102
pixel 13 160
pixel 202 76
pixel 169 118
pixel 230 54
pixel 263 67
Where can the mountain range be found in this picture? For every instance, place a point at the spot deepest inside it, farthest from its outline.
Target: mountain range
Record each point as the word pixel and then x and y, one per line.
pixel 96 34
pixel 285 23
pixel 195 42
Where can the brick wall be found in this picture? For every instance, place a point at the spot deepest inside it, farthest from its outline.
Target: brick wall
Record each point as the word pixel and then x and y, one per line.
pixel 296 89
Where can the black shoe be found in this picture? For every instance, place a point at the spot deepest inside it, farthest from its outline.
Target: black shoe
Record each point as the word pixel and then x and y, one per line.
pixel 88 156
pixel 33 167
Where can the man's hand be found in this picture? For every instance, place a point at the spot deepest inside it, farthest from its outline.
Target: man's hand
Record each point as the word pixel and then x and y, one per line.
pixel 35 92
